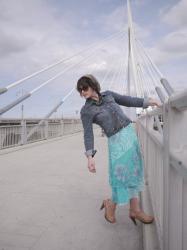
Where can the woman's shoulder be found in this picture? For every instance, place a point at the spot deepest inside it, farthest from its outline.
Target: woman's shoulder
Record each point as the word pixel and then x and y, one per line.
pixel 108 95
pixel 86 109
pixel 83 109
pixel 106 92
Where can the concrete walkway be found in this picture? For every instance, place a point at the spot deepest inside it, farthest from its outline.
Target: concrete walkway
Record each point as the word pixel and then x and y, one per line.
pixel 49 200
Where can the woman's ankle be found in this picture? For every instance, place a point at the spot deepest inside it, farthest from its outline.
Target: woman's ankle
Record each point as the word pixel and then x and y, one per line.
pixel 135 210
pixel 134 205
pixel 113 204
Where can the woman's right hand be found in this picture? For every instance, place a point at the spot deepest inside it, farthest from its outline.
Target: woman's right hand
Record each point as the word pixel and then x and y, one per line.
pixel 91 164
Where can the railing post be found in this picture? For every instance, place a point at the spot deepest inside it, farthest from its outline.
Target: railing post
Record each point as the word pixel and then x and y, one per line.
pixel 1 138
pixel 167 172
pixel 23 132
pixel 46 129
pixel 165 220
pixel 177 142
pixel 146 150
pixel 72 126
pixel 61 127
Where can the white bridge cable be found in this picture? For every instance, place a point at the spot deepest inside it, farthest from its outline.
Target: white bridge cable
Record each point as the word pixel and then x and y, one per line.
pixel 121 75
pixel 139 78
pixel 85 61
pixel 138 86
pixel 149 72
pixel 141 75
pixel 150 60
pixel 106 77
pixel 146 66
pixel 145 80
pixel 65 70
pixel 154 74
pixel 107 74
pixel 116 82
pixel 124 88
pixel 49 114
pixel 74 88
pixel 155 117
pixel 143 86
pixel 122 80
pixel 5 89
pixel 133 67
pixel 115 75
pixel 54 109
pixel 19 100
pixel 155 88
pixel 163 81
pixel 102 82
pixel 126 75
pixel 121 66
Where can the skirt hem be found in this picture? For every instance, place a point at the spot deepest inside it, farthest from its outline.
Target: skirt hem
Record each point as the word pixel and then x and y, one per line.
pixel 141 189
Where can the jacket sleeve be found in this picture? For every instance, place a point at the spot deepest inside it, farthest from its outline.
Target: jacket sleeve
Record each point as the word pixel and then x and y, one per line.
pixel 129 101
pixel 87 122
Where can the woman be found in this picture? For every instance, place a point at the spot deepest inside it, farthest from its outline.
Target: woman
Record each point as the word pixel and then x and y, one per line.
pixel 126 175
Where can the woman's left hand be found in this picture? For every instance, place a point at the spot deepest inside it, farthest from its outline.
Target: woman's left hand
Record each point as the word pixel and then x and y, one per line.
pixel 154 102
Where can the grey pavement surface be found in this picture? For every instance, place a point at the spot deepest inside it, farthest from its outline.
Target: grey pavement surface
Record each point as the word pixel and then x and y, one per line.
pixel 49 200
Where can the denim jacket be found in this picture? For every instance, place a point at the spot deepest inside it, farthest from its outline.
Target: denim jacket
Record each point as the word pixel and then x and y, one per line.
pixel 107 114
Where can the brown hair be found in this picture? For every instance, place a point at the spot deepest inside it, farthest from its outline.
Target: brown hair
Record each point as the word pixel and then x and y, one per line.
pixel 90 81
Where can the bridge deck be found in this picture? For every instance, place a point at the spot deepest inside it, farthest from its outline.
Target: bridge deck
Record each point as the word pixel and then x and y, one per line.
pixel 49 201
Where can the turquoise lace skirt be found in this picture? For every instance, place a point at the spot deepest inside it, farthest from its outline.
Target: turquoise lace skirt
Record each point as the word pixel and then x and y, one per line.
pixel 126 173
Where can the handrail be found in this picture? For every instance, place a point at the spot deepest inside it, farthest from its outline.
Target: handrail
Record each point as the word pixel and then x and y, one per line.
pixel 179 100
pixel 175 157
pixel 165 158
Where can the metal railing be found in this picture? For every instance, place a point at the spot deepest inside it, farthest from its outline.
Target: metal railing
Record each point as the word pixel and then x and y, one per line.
pixel 15 135
pixel 165 159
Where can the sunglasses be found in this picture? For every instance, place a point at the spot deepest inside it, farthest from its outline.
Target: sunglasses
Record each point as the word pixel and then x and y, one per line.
pixel 83 88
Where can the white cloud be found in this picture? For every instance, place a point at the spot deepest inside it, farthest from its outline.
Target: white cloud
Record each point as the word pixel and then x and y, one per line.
pixel 117 20
pixel 140 2
pixel 175 42
pixel 36 33
pixel 141 32
pixel 114 21
pixel 176 15
pixel 31 34
pixel 13 43
pixel 171 47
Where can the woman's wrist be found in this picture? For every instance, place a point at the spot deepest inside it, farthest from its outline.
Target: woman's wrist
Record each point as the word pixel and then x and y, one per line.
pixel 154 102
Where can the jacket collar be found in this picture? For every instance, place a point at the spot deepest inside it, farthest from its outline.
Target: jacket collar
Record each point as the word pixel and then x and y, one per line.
pixel 92 101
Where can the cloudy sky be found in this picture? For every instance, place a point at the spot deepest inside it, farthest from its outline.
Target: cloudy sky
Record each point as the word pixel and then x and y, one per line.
pixel 37 33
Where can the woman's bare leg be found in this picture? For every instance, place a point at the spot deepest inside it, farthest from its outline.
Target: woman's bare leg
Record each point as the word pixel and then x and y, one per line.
pixel 136 212
pixel 110 208
pixel 134 204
